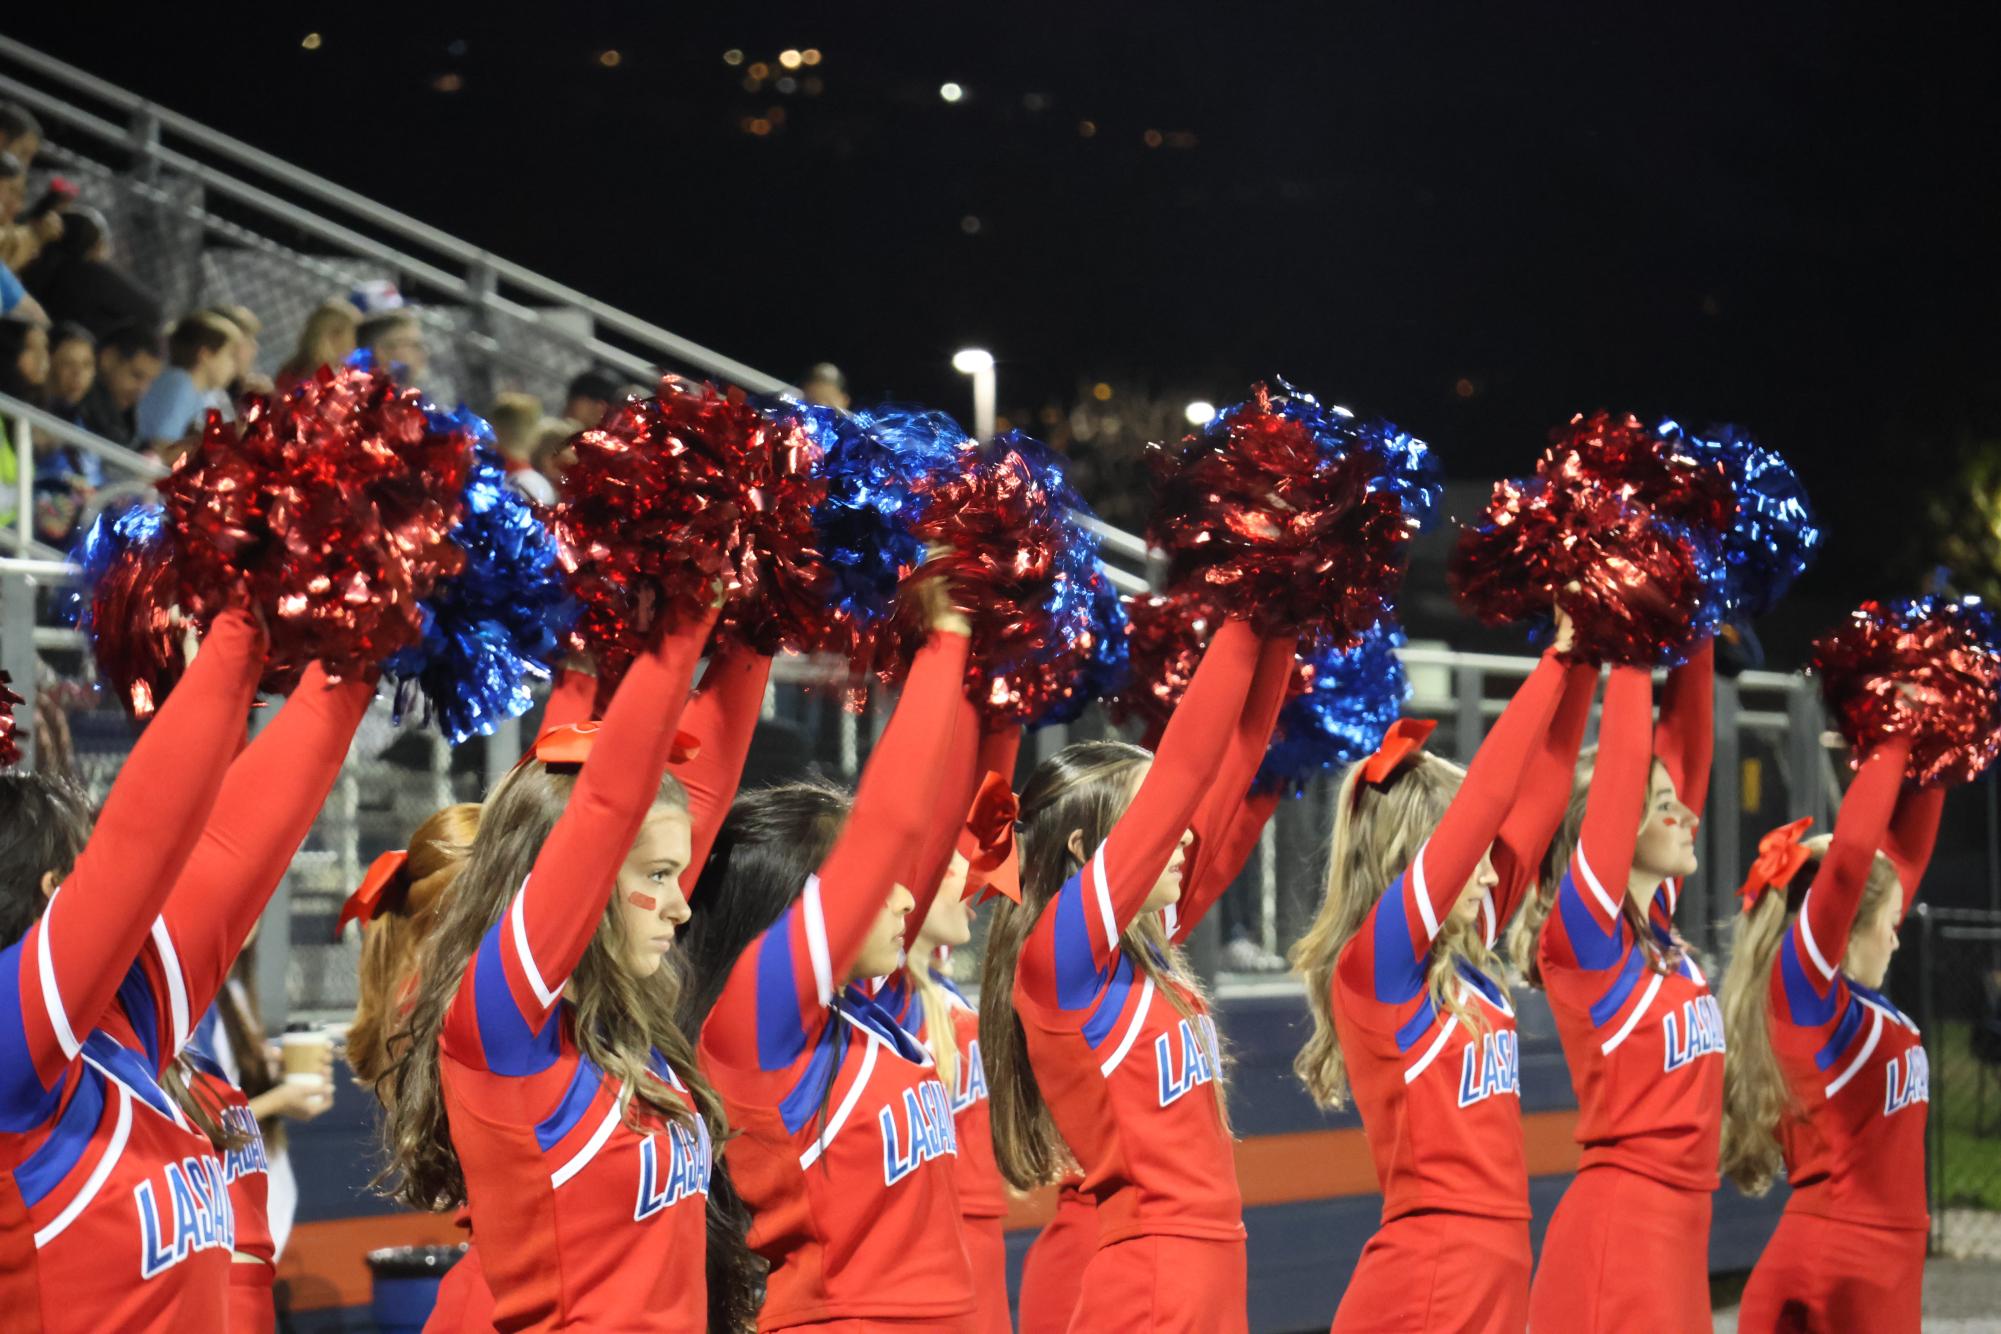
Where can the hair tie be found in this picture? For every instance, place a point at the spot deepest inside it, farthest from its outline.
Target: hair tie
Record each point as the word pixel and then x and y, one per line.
pixel 1780 856
pixel 987 841
pixel 1405 738
pixel 366 903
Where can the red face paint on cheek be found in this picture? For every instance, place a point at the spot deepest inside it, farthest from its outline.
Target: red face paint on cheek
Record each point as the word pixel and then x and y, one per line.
pixel 643 902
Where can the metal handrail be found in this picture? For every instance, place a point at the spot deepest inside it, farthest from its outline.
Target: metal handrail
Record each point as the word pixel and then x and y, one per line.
pixel 47 423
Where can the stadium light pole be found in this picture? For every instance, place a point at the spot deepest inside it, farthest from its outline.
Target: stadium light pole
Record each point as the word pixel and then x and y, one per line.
pixel 978 363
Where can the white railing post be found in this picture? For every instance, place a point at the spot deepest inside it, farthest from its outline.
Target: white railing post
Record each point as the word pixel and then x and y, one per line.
pixel 24 482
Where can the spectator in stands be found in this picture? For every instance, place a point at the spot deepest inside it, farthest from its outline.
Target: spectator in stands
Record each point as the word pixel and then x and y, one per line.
pixel 21 241
pixel 24 374
pixel 590 397
pixel 326 339
pixel 76 281
pixel 128 361
pixel 201 352
pixel 517 422
pixel 396 338
pixel 552 450
pixel 15 303
pixel 825 385
pixel 66 475
pixel 248 379
pixel 20 133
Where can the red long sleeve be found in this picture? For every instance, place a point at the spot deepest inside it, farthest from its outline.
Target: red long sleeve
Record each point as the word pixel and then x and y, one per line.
pixel 776 997
pixel 999 751
pixel 951 794
pixel 1543 798
pixel 1913 834
pixel 723 716
pixel 1488 792
pixel 268 803
pixel 1685 737
pixel 1192 748
pixel 1828 912
pixel 571 699
pixel 1229 820
pixel 99 918
pixel 1617 805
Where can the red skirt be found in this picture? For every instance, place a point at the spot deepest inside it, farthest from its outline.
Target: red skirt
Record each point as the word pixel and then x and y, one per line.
pixel 1165 1285
pixel 1053 1273
pixel 1825 1274
pixel 986 1252
pixel 251 1310
pixel 1431 1271
pixel 465 1303
pixel 1624 1253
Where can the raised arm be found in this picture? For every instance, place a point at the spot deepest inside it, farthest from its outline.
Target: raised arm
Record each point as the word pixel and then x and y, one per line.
pixel 1230 819
pixel 1913 834
pixel 1541 800
pixel 1685 737
pixel 515 979
pixel 775 1001
pixel 267 805
pixel 950 794
pixel 1589 918
pixel 1819 938
pixel 57 980
pixel 723 717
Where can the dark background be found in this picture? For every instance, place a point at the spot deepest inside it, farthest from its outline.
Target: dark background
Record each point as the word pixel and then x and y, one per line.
pixel 1474 220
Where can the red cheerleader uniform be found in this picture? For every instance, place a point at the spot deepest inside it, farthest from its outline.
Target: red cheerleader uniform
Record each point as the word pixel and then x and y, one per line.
pixel 1628 1246
pixel 582 1219
pixel 721 717
pixel 1849 1253
pixel 1052 1275
pixel 845 1139
pixel 1440 1100
pixel 1128 1078
pixel 99 1161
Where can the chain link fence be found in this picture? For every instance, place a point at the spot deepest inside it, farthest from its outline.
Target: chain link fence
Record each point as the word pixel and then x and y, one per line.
pixel 1957 975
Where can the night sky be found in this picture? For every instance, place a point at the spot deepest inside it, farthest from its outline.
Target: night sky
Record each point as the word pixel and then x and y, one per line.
pixel 1473 222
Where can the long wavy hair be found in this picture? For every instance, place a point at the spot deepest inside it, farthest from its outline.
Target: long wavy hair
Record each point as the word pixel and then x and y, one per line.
pixel 1524 936
pixel 413 904
pixel 1377 834
pixel 1756 1097
pixel 1083 788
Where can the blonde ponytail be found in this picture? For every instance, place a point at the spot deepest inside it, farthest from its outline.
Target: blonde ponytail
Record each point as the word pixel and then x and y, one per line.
pixel 941 1034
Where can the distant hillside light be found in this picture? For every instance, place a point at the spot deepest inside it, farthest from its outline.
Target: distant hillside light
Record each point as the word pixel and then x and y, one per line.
pixel 311 41
pixel 610 59
pixel 951 92
pixel 733 57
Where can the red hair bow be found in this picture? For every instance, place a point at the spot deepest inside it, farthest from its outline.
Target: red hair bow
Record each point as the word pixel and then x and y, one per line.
pixel 1404 739
pixel 1780 856
pixel 366 902
pixel 987 841
pixel 569 744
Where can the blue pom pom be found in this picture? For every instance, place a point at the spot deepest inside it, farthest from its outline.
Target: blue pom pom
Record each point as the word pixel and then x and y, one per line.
pixel 109 537
pixel 878 466
pixel 1773 537
pixel 1406 467
pixel 500 622
pixel 1353 697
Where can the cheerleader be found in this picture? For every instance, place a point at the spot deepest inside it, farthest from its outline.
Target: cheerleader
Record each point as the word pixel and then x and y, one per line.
pixel 1098 1043
pixel 1824 1072
pixel 929 1005
pixel 1410 1015
pixel 1628 1246
pixel 845 1139
pixel 546 1086
pixel 100 1161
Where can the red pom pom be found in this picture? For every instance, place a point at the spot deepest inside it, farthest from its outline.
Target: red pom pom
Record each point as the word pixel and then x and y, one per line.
pixel 786 597
pixel 136 635
pixel 1645 591
pixel 652 516
pixel 1002 530
pixel 1297 516
pixel 1644 463
pixel 10 749
pixel 1167 636
pixel 1923 670
pixel 330 510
